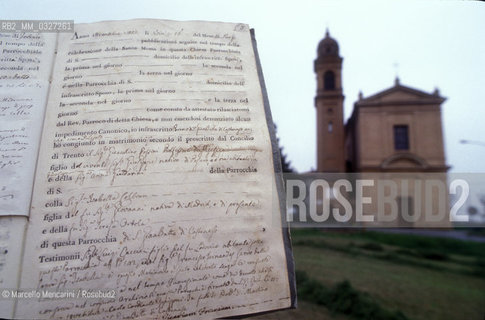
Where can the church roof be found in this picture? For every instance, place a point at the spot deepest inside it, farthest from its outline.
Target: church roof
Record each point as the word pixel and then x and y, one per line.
pixel 328 47
pixel 400 94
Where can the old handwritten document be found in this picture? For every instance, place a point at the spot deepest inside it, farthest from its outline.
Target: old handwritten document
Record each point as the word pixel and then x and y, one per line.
pixel 137 176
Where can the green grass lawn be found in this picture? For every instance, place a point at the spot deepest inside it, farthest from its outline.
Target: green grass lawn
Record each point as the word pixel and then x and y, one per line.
pixel 424 278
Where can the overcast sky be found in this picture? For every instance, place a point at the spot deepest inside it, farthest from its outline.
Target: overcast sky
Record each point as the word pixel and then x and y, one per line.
pixel 428 44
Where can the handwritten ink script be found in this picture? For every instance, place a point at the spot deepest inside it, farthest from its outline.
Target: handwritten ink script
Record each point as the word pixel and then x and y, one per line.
pixel 25 66
pixel 155 176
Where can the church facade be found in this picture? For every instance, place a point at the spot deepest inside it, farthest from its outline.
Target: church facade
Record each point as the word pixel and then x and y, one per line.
pixel 396 130
pixel 395 136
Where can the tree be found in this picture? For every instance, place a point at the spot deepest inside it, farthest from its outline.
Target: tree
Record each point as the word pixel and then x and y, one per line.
pixel 473 211
pixel 285 163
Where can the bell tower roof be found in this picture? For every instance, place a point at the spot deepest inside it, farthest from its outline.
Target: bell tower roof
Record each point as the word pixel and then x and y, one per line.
pixel 328 47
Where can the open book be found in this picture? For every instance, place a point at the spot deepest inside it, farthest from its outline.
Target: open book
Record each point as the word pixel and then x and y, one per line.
pixel 137 175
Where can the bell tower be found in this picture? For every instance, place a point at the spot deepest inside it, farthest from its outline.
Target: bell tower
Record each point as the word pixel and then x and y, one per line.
pixel 330 109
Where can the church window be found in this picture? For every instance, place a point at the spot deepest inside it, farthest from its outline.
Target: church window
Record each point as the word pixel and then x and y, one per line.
pixel 401 137
pixel 329 80
pixel 330 126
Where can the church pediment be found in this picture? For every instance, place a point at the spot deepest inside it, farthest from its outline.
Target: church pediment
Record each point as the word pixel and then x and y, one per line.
pixel 400 94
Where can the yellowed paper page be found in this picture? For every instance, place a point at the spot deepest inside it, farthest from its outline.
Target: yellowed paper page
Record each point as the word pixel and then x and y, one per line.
pixel 25 66
pixel 12 230
pixel 154 195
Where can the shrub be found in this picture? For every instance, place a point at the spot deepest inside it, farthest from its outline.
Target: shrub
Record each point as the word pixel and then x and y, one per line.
pixel 433 255
pixel 343 298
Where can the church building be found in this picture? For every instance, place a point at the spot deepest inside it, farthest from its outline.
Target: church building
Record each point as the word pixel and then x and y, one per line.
pixel 396 130
pixel 395 134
